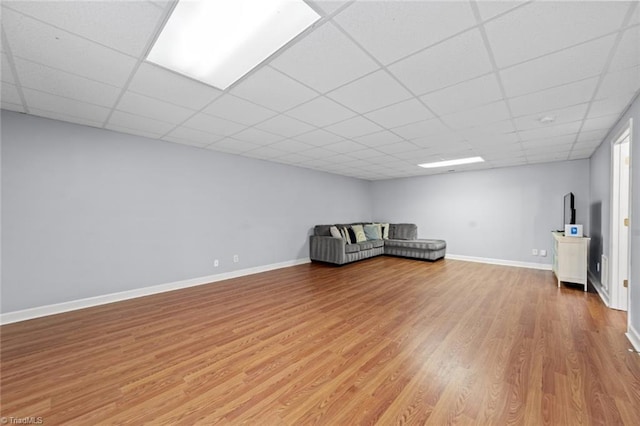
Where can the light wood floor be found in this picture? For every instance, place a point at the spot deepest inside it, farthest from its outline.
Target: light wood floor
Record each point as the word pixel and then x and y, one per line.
pixel 385 340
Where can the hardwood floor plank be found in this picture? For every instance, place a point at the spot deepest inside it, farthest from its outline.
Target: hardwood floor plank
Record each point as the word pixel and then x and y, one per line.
pixel 382 341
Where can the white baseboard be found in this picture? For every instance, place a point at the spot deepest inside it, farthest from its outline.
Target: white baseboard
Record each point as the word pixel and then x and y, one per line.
pixel 595 282
pixel 531 265
pixel 634 337
pixel 58 308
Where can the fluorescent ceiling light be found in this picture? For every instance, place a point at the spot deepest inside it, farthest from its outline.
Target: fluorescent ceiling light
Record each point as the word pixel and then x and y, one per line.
pixel 452 162
pixel 219 41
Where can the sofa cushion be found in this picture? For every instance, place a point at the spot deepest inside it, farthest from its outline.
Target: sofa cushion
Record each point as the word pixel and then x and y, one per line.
pixel 322 230
pixel 385 231
pixel 367 245
pixel 377 243
pixel 351 248
pixel 403 231
pixel 372 232
pixel 417 244
pixel 359 231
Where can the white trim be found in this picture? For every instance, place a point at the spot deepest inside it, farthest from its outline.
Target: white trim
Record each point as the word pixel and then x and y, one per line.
pixel 58 308
pixel 634 337
pixel 595 282
pixel 531 265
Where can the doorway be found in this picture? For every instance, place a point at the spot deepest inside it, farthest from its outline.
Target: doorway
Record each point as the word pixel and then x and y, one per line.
pixel 620 208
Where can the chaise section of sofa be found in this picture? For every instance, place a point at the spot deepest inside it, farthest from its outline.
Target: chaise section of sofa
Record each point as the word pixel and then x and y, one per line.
pixel 402 241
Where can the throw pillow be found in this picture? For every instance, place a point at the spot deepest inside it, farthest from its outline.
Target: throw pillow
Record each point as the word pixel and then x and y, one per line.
pixel 359 231
pixel 385 231
pixel 334 232
pixel 352 235
pixel 372 232
pixel 345 235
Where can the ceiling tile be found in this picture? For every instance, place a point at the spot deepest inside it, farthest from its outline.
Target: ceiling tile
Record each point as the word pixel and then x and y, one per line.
pixel 554 98
pixel 330 6
pixel 564 115
pixel 233 146
pixel 399 114
pixel 354 127
pixel 38 42
pixel 592 135
pixel 379 138
pixel 344 147
pixel 320 154
pixel 540 28
pixel 321 112
pixel 397 147
pixel 153 108
pixel 64 117
pixel 368 154
pixel 326 49
pixel 550 131
pixel 489 9
pixel 610 105
pixel 48 102
pixel 465 95
pixel 421 128
pixel 284 126
pixel 159 83
pixel 490 113
pixel 546 142
pixel 483 140
pixel 293 158
pixel 620 82
pixel 124 26
pixel 453 61
pixel 238 110
pixel 151 127
pixel 628 52
pixel 7 74
pixel 136 132
pixel 291 146
pixel 10 94
pixel 257 136
pixel 577 63
pixel 56 82
pixel 215 125
pixel 605 122
pixel 392 30
pixel 264 153
pixel 438 140
pixel 272 89
pixel 319 137
pixel 191 136
pixel 374 91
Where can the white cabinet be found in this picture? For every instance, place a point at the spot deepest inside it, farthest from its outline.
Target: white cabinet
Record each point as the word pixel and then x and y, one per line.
pixel 570 258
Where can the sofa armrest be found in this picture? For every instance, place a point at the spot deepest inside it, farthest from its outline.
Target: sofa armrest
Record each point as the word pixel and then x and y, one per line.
pixel 327 249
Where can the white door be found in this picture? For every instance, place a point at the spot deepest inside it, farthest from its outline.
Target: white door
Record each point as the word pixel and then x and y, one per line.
pixel 620 223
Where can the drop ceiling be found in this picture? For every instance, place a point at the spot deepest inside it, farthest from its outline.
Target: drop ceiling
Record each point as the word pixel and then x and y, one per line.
pixel 370 91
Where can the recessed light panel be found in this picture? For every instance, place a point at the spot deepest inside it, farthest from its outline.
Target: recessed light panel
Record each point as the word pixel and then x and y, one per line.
pixel 457 162
pixel 219 41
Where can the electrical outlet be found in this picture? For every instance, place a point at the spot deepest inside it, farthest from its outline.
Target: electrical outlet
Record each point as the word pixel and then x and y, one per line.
pixel 543 253
pixel 216 263
pixel 534 252
pixel 236 258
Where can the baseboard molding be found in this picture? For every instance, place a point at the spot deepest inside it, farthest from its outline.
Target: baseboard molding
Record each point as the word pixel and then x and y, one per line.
pixel 634 337
pixel 502 262
pixel 595 282
pixel 58 308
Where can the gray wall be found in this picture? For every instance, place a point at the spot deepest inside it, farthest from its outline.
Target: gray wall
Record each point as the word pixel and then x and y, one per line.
pixel 88 212
pixel 498 213
pixel 601 195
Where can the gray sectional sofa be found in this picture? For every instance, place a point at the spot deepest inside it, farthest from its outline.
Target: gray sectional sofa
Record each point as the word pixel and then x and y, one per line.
pixel 402 240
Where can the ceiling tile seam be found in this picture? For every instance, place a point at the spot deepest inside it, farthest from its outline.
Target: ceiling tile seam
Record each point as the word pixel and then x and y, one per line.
pixel 84 77
pixel 68 32
pixel 507 12
pixel 390 74
pixel 14 71
pixel 607 65
pixel 154 35
pixel 315 6
pixel 608 34
pixel 494 66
